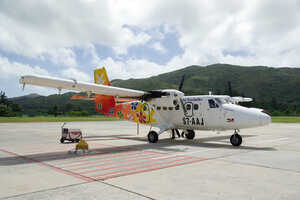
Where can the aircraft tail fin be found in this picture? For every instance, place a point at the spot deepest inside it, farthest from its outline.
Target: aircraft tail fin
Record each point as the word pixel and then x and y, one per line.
pixel 104 104
pixel 100 76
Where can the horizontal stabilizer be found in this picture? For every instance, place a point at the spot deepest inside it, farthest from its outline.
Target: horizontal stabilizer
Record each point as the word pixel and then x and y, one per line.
pixel 86 98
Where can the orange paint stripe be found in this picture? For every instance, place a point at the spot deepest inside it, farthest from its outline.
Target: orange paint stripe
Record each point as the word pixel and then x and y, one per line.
pixel 141 167
pixel 88 179
pixel 112 161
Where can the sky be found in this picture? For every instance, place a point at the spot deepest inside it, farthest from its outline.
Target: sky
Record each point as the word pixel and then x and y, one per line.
pixel 141 38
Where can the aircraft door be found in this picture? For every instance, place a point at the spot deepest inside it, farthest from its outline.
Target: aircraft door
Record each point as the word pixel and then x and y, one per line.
pixel 189 109
pixel 212 114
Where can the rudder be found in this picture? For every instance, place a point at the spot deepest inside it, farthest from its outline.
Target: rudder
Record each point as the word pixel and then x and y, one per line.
pixel 104 104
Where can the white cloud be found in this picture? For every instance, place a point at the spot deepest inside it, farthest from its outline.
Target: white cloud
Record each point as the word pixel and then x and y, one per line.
pixel 206 28
pixel 32 28
pixel 137 68
pixel 62 56
pixel 264 29
pixel 72 73
pixel 159 47
pixel 10 70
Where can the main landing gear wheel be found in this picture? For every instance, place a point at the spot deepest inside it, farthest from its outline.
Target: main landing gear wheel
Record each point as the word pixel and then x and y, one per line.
pixel 190 134
pixel 236 140
pixel 152 137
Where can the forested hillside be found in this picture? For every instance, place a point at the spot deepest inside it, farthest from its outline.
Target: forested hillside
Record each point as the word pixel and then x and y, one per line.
pixel 275 89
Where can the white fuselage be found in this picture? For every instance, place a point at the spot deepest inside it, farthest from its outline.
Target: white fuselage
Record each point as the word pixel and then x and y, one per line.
pixel 205 112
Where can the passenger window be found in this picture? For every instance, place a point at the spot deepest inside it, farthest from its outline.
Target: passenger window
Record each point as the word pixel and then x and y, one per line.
pixel 158 107
pixel 170 108
pixel 188 106
pixel 212 104
pixel 164 108
pixel 196 106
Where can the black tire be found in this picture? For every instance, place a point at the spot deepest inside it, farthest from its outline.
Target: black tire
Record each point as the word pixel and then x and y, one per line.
pixel 190 134
pixel 236 140
pixel 62 140
pixel 152 137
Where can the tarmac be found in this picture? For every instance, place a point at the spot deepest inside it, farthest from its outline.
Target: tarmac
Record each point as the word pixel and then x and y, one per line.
pixel 123 165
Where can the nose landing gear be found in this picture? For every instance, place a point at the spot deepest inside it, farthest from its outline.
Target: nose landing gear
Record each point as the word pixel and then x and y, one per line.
pixel 190 134
pixel 236 140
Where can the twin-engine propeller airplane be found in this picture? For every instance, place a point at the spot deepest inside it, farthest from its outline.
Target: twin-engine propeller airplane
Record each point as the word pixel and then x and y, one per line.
pixel 166 109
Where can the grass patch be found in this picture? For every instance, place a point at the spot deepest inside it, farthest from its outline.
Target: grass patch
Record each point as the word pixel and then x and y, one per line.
pixel 284 119
pixel 55 119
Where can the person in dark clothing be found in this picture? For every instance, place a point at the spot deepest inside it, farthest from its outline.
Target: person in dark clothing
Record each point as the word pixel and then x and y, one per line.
pixel 173 133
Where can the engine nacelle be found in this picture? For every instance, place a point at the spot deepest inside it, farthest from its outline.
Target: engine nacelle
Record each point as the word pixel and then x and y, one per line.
pixel 172 99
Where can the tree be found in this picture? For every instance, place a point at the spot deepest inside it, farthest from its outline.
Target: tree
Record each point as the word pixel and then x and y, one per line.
pixel 3 98
pixel 53 111
pixel 4 110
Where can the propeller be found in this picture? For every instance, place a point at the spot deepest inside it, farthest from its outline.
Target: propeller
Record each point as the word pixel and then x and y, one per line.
pixel 180 89
pixel 153 94
pixel 181 83
pixel 229 88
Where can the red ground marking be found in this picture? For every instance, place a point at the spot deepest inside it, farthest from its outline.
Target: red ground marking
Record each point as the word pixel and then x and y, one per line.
pixel 115 173
pixel 103 139
pixel 96 157
pixel 88 179
pixel 147 170
pixel 111 161
pixel 132 164
pixel 146 166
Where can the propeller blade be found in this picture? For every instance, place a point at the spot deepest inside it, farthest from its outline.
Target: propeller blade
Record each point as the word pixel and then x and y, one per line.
pixel 229 88
pixel 181 83
pixel 183 107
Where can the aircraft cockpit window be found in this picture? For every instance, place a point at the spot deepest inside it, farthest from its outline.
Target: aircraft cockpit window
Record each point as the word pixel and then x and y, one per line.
pixel 177 107
pixel 196 106
pixel 212 103
pixel 170 108
pixel 158 108
pixel 164 108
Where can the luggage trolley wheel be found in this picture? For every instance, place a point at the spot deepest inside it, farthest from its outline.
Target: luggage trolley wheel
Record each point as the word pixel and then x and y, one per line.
pixel 62 140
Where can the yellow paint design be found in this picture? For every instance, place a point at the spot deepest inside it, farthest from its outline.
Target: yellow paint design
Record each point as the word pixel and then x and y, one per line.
pixel 100 76
pixel 140 113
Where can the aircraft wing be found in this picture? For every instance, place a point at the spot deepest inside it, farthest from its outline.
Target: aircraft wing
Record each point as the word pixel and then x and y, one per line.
pixel 80 86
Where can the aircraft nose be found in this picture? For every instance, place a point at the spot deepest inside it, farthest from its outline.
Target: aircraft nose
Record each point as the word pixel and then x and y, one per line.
pixel 265 118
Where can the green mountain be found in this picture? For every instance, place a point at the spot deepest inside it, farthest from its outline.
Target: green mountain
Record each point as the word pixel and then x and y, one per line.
pixel 272 88
pixel 275 89
pixel 35 104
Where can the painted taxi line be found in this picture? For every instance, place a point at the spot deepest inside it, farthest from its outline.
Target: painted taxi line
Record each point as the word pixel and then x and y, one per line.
pixel 108 161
